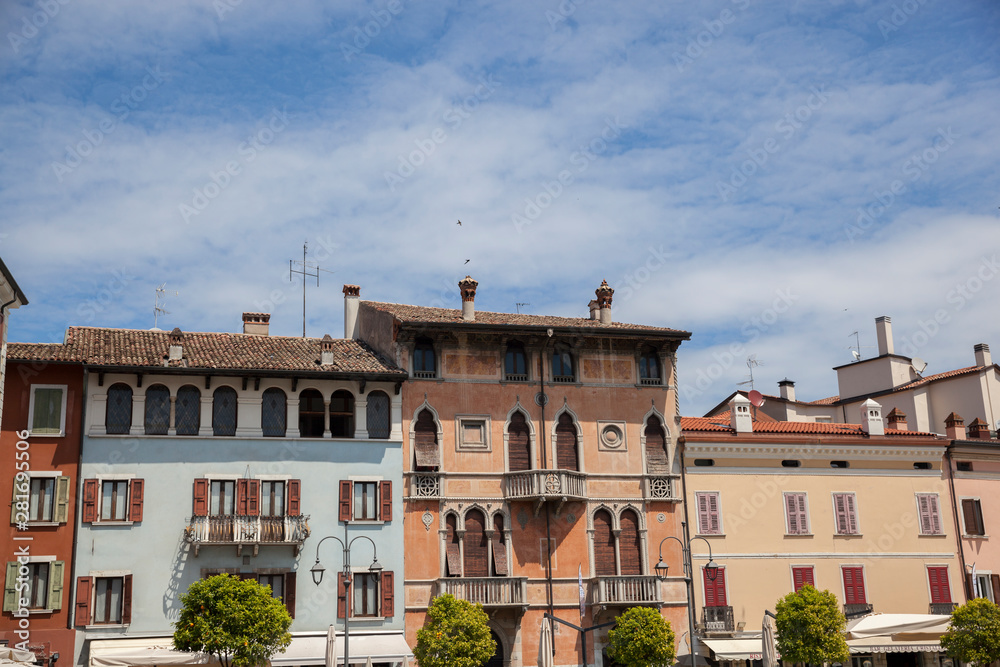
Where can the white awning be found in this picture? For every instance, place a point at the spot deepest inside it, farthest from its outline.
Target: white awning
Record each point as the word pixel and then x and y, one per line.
pixel 893 645
pixel 744 648
pixel 311 649
pixel 142 651
pixel 900 626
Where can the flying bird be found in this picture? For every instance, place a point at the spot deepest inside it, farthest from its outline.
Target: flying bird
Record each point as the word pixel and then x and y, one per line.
pixel 467 261
pixel 459 223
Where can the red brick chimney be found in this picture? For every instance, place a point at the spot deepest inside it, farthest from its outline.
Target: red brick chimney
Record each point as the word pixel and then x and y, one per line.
pixel 979 430
pixel 954 427
pixel 897 419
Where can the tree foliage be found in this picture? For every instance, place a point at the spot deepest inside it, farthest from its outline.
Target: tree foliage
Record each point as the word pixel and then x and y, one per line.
pixel 642 637
pixel 456 634
pixel 974 633
pixel 810 628
pixel 236 620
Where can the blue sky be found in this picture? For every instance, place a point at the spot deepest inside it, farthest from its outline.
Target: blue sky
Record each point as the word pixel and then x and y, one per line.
pixel 771 176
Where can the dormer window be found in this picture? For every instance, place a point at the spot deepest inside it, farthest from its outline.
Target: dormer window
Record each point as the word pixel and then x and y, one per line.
pixel 424 365
pixel 515 363
pixel 562 365
pixel 649 367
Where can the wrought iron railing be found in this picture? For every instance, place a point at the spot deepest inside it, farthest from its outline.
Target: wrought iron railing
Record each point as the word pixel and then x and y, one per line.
pixel 236 529
pixel 563 378
pixel 625 590
pixel 487 591
pixel 651 381
pixel 718 619
pixel 857 610
pixel 540 484
pixel 943 607
pixel 516 377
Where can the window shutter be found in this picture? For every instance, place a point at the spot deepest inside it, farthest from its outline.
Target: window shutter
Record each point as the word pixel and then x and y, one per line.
pixel 791 513
pixel 346 493
pixel 127 599
pixel 969 514
pixel 342 606
pixel 854 585
pixel 499 555
pixel 294 497
pixel 518 443
pixel 926 526
pixel 604 545
pixel 935 512
pixel 802 576
pixel 476 551
pixel 567 457
pixel 386 588
pixel 657 462
pixel 241 497
pixel 57 570
pixel 290 593
pixel 90 492
pixel 62 500
pixel 425 443
pixel 847 521
pixel 713 514
pixel 13 504
pixel 940 590
pixel 84 585
pixel 970 588
pixel 703 521
pixel 995 582
pixel 200 497
pixel 385 495
pixel 715 591
pixel 253 497
pixel 10 588
pixel 629 548
pixel 135 492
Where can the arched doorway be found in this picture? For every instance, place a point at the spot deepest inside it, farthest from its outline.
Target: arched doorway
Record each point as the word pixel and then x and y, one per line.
pixel 498 658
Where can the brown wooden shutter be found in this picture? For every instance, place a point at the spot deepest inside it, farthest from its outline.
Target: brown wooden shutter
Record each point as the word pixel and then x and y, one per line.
pixel 90 493
pixel 253 497
pixel 342 602
pixel 657 462
pixel 290 593
pixel 84 588
pixel 604 545
pixel 995 582
pixel 200 497
pixel 425 440
pixel 567 456
pixel 476 562
pixel 453 551
pixel 241 497
pixel 135 494
pixel 385 497
pixel 294 497
pixel 346 494
pixel 127 599
pixel 518 443
pixel 386 586
pixel 970 588
pixel 969 514
pixel 629 548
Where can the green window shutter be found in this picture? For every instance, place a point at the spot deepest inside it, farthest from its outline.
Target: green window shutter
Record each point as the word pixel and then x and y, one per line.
pixel 62 500
pixel 56 569
pixel 47 415
pixel 9 590
pixel 13 504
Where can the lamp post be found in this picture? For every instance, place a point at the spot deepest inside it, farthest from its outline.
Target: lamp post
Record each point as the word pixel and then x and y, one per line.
pixel 317 571
pixel 711 571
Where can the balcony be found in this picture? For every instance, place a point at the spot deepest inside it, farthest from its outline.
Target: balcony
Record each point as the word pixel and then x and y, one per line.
pixel 943 607
pixel 852 611
pixel 491 592
pixel 625 591
pixel 425 485
pixel 660 487
pixel 717 619
pixel 243 531
pixel 542 485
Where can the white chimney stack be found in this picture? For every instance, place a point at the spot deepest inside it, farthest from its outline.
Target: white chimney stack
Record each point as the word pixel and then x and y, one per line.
pixel 739 414
pixel 883 328
pixel 871 418
pixel 468 287
pixel 352 299
pixel 256 324
pixel 983 357
pixel 787 389
pixel 595 310
pixel 326 350
pixel 176 345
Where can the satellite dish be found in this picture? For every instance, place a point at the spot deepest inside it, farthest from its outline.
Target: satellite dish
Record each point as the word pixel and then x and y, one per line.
pixel 918 364
pixel 756 398
pixel 856 355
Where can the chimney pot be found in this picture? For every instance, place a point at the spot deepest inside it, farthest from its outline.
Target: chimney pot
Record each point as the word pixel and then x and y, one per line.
pixel 604 296
pixel 176 350
pixel 595 309
pixel 787 389
pixel 979 430
pixel 740 418
pixel 897 419
pixel 326 350
pixel 468 288
pixel 883 329
pixel 871 418
pixel 352 300
pixel 954 427
pixel 256 324
pixel 983 357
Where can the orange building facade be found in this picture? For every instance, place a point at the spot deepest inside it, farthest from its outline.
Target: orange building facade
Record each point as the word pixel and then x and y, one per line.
pixel 540 467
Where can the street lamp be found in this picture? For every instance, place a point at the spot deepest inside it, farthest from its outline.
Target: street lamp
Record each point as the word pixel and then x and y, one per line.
pixel 317 571
pixel 711 572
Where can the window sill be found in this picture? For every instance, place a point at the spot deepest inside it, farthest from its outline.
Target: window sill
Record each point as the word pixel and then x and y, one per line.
pixel 975 537
pixel 932 535
pixel 44 524
pixel 366 522
pixel 47 435
pixel 111 522
pixel 799 535
pixel 710 535
pixel 848 534
pixel 105 626
pixel 42 611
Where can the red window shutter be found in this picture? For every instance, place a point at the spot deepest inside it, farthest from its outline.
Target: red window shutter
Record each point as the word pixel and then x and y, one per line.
pixel 476 550
pixel 715 591
pixel 385 495
pixel 290 593
pixel 253 497
pixel 346 492
pixel 940 590
pixel 90 492
pixel 854 585
pixel 388 599
pixel 802 576
pixel 342 606
pixel 629 547
pixel 84 588
pixel 200 497
pixel 294 497
pixel 127 599
pixel 567 457
pixel 135 500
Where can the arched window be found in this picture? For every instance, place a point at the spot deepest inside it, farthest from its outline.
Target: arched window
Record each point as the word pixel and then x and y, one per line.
pixel 566 450
pixel 657 462
pixel 157 419
pixel 500 568
pixel 311 414
pixel 378 415
pixel 118 418
pixel 518 443
pixel 224 411
pixel 649 367
pixel 187 411
pixel 425 443
pixel 273 413
pixel 562 365
pixel 342 414
pixel 629 549
pixel 515 365
pixel 476 561
pixel 453 549
pixel 423 359
pixel 604 545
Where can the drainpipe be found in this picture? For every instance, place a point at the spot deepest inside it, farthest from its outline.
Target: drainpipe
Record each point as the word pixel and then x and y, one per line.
pixel 77 494
pixel 958 530
pixel 548 510
pixel 681 444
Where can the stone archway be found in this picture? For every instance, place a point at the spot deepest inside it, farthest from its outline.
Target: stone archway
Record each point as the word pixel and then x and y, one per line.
pixel 498 657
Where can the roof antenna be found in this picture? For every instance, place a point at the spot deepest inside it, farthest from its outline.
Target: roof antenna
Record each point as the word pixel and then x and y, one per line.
pixel 158 308
pixel 519 304
pixel 304 272
pixel 751 364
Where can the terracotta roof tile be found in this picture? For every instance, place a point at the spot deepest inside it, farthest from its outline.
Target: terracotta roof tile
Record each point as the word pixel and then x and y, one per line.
pixel 940 376
pixel 218 351
pixel 764 427
pixel 830 400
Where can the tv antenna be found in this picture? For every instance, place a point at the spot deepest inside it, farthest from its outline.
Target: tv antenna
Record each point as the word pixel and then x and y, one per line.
pixel 304 272
pixel 161 294
pixel 751 364
pixel 856 349
pixel 519 304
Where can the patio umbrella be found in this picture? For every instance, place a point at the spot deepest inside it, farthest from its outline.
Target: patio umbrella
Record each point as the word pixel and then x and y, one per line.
pixel 545 645
pixel 769 650
pixel 368 662
pixel 331 647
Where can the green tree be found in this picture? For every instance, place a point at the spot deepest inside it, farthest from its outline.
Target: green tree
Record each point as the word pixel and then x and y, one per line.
pixel 456 634
pixel 642 637
pixel 810 628
pixel 236 620
pixel 974 633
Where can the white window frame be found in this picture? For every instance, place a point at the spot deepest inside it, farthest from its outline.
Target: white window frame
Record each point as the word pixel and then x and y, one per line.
pixel 114 477
pixel 355 570
pixel 62 411
pixel 916 499
pixel 107 574
pixel 988 592
pixel 55 475
pixel 857 514
pixel 48 606
pixel 961 512
pixel 718 496
pixel 367 479
pixel 808 526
